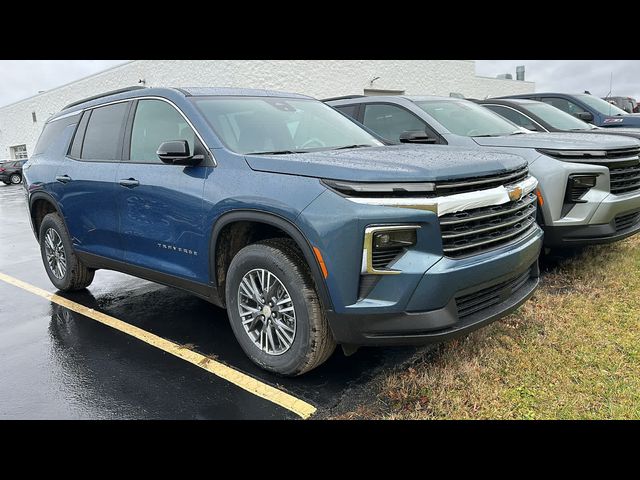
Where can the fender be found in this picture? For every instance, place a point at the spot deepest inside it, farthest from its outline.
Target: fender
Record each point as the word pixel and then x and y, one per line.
pixel 283 224
pixel 42 195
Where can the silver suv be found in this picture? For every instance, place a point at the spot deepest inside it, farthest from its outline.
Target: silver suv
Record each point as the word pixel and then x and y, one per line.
pixel 589 190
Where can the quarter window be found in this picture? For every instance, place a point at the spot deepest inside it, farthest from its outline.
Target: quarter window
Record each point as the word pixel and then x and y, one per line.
pixel 103 136
pixel 390 121
pixel 157 122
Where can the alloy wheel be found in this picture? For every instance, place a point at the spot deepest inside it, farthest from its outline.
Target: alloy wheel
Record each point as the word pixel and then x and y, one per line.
pixel 267 312
pixel 54 251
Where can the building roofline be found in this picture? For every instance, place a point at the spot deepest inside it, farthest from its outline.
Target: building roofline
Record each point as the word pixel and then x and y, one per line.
pixel 69 83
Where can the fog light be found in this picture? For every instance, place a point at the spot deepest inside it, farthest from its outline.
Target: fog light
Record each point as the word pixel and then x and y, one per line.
pixel 579 185
pixel 383 245
pixel 394 239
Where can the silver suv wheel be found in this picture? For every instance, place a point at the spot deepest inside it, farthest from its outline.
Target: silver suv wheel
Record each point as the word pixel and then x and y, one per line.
pixel 54 250
pixel 267 312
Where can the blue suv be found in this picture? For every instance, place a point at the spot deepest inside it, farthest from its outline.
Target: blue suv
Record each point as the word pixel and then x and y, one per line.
pixel 587 108
pixel 303 224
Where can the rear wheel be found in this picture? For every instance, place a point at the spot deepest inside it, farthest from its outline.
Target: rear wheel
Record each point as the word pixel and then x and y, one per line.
pixel 15 179
pixel 274 309
pixel 66 271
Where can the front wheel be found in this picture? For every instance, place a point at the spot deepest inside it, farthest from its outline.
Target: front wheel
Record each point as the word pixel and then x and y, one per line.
pixel 274 309
pixel 15 179
pixel 66 271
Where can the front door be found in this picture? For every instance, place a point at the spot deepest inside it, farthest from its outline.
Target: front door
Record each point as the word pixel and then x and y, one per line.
pixel 160 205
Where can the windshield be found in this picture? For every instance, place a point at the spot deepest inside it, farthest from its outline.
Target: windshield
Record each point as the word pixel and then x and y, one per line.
pixel 468 119
pixel 556 117
pixel 601 106
pixel 254 125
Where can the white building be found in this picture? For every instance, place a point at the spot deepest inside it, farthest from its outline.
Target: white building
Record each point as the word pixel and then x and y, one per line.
pixel 21 122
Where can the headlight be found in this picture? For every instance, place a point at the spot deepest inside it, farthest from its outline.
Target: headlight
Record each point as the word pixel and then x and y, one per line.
pixel 377 189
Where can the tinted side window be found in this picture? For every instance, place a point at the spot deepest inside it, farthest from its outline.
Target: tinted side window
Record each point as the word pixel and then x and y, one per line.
pixel 104 132
pixel 390 121
pixel 564 105
pixel 76 145
pixel 348 110
pixel 513 115
pixel 52 132
pixel 156 122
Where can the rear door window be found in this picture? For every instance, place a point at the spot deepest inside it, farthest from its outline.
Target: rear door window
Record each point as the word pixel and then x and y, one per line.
pixel 105 130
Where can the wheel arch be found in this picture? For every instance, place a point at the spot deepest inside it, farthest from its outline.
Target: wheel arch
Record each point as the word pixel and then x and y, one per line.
pixel 40 204
pixel 273 220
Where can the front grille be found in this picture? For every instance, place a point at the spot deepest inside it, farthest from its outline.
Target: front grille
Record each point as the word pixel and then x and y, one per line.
pixel 625 179
pixel 474 184
pixel 480 229
pixel 628 220
pixel 381 258
pixel 485 298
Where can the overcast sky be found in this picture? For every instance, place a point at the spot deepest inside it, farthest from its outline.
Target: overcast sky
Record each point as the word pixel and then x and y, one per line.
pixel 23 78
pixel 572 76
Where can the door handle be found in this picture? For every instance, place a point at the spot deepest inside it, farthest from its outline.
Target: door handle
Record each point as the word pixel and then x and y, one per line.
pixel 129 182
pixel 63 178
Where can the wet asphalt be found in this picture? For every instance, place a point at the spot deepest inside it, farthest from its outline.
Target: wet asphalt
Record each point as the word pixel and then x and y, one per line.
pixel 58 364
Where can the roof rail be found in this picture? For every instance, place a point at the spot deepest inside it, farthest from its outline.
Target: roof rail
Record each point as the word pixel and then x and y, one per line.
pixel 106 94
pixel 345 97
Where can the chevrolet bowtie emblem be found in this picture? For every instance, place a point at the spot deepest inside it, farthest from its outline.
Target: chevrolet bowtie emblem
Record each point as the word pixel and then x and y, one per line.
pixel 515 193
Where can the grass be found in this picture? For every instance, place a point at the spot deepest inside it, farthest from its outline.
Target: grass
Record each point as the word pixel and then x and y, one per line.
pixel 571 352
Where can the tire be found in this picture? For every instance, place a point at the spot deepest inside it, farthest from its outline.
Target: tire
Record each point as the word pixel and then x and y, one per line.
pixel 76 275
pixel 312 342
pixel 15 179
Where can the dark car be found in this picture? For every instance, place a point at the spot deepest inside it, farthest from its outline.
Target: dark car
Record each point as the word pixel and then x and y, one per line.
pixel 306 227
pixel 627 104
pixel 542 117
pixel 586 107
pixel 11 172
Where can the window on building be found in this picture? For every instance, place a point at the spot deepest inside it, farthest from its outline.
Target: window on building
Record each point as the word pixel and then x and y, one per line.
pixel 18 152
pixel 104 132
pixel 157 122
pixel 33 117
pixel 516 117
pixel 389 121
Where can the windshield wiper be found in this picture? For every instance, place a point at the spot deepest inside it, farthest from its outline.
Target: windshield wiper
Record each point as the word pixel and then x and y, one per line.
pixel 479 136
pixel 361 145
pixel 518 132
pixel 276 152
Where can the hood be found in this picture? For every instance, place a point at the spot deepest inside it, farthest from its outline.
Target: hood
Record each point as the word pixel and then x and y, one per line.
pixel 629 132
pixel 407 163
pixel 559 141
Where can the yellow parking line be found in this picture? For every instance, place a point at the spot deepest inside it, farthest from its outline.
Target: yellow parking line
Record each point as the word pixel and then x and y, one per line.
pixel 246 382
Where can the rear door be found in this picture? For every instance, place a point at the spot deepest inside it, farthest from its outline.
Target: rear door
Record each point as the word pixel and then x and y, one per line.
pixel 161 206
pixel 86 181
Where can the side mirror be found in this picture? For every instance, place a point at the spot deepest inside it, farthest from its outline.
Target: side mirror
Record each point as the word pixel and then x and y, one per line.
pixel 176 152
pixel 584 116
pixel 416 136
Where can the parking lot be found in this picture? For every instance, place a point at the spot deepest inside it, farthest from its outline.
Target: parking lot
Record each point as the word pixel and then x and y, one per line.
pixel 126 348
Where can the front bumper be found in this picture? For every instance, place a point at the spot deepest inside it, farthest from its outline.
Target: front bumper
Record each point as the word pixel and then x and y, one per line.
pixel 621 226
pixel 508 280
